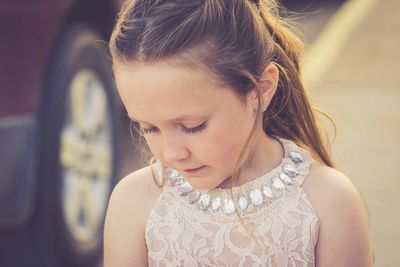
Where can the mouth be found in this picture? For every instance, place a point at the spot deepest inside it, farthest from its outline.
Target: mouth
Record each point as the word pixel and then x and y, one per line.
pixel 194 170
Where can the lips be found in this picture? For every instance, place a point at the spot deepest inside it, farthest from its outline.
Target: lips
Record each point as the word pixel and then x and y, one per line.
pixel 193 170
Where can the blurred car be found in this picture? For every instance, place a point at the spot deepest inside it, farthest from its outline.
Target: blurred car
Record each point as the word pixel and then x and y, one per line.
pixel 58 127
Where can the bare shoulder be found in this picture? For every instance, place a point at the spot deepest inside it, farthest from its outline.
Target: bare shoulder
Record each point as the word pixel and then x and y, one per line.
pixel 324 184
pixel 136 185
pixel 130 204
pixel 344 236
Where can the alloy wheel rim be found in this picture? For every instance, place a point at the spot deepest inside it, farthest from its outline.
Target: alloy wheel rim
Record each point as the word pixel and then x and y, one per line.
pixel 86 156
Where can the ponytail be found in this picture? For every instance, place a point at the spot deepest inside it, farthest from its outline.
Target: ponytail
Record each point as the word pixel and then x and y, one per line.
pixel 290 114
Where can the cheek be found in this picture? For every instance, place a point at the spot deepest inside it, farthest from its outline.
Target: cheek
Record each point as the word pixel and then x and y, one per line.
pixel 224 147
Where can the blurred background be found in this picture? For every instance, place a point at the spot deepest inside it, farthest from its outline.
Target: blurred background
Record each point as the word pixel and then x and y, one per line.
pixel 64 135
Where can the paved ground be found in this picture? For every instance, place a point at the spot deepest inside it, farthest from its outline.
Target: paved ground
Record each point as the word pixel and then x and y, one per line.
pixel 361 89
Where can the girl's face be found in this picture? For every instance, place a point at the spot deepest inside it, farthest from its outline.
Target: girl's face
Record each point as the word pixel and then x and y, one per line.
pixel 190 122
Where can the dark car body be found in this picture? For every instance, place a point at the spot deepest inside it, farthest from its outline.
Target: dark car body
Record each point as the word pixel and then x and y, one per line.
pixel 32 35
pixel 29 31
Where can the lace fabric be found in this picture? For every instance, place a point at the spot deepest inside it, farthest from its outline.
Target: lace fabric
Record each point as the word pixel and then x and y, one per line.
pixel 285 230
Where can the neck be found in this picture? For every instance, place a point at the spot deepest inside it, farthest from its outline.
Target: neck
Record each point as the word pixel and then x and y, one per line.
pixel 266 154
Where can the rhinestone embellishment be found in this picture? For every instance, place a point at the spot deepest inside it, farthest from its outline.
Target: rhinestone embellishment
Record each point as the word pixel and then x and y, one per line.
pixel 278 184
pixel 216 204
pixel 176 181
pixel 290 170
pixel 243 203
pixel 296 157
pixel 185 189
pixel 265 189
pixel 268 192
pixel 204 201
pixel 173 174
pixel 193 196
pixel 256 197
pixel 229 206
pixel 285 178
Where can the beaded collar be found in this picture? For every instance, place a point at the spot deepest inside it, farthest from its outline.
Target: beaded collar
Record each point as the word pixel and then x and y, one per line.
pixel 260 191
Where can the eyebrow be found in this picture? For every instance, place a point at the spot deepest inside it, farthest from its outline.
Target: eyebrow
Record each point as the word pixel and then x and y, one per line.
pixel 180 118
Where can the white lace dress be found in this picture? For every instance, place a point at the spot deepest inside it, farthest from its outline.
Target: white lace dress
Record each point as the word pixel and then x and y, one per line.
pixel 275 208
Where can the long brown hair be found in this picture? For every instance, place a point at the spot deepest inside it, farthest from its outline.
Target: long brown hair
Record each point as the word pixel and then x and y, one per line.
pixel 234 40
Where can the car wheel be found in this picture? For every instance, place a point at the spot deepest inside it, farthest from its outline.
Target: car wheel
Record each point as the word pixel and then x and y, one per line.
pixel 78 160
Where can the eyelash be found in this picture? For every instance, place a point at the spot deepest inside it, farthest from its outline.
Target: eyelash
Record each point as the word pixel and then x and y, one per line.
pixel 193 130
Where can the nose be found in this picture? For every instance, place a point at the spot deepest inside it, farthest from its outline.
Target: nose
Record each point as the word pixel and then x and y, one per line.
pixel 174 150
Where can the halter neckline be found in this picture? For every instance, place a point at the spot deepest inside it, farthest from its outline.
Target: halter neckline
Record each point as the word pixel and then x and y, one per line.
pixel 286 176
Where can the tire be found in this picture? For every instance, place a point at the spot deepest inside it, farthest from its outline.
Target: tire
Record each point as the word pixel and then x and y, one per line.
pixel 79 151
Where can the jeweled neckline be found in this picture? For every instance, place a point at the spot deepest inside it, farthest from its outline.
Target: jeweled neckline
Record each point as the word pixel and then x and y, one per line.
pixel 250 195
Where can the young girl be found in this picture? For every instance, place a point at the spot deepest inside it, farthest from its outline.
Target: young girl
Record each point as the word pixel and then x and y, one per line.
pixel 240 175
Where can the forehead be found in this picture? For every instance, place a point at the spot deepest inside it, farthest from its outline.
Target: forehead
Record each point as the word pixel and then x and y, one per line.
pixel 163 91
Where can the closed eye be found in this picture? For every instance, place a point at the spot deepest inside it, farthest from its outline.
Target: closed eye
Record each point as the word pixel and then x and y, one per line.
pixel 187 130
pixel 149 130
pixel 195 129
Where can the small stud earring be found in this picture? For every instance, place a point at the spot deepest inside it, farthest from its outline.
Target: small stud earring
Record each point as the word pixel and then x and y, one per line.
pixel 264 108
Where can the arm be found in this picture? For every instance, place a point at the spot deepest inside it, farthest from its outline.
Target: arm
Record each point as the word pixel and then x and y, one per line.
pixel 343 238
pixel 130 203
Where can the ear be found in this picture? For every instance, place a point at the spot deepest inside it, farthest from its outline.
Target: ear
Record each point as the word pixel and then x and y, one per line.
pixel 269 83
